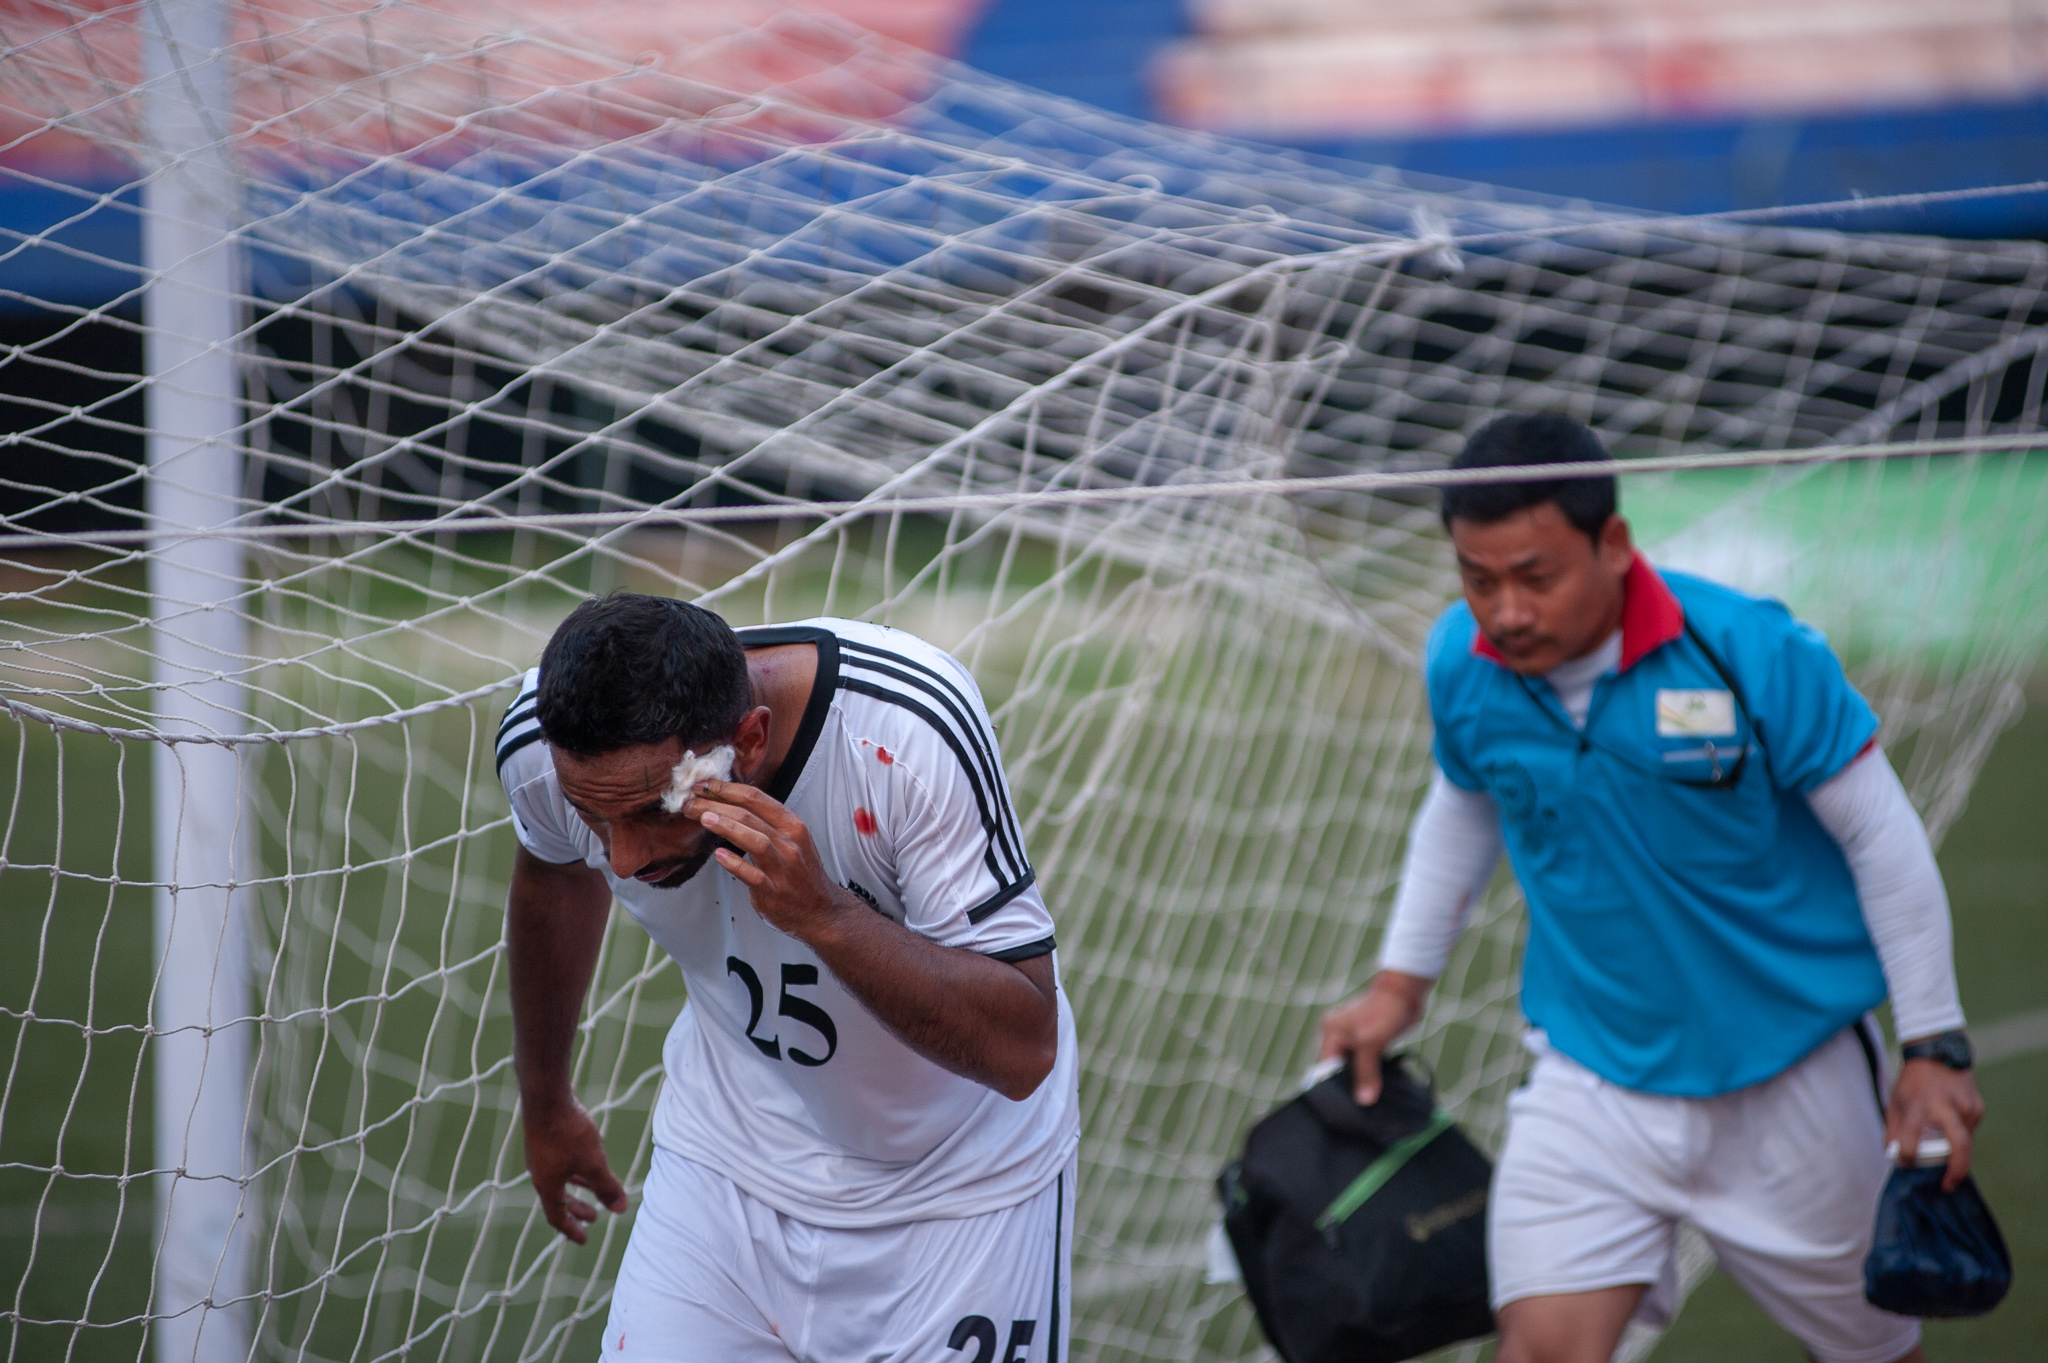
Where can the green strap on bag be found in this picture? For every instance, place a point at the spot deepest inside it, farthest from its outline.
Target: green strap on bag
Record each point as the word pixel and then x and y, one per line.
pixel 1375 1175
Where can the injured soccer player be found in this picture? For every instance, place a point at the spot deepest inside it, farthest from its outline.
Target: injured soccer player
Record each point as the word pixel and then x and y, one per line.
pixel 1724 877
pixel 865 1144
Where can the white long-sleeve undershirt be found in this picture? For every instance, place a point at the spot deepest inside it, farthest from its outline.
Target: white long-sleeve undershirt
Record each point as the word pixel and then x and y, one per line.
pixel 1904 903
pixel 1453 846
pixel 1455 842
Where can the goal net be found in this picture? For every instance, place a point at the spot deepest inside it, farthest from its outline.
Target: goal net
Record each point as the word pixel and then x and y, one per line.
pixel 752 308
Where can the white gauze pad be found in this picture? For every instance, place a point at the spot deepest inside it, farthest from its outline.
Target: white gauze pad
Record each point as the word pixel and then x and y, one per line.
pixel 715 765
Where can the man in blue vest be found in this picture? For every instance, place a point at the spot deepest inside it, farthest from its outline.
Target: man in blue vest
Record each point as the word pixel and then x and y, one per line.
pixel 1724 877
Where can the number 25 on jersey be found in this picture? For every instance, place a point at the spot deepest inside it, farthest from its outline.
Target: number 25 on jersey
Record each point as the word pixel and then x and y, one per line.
pixel 790 1006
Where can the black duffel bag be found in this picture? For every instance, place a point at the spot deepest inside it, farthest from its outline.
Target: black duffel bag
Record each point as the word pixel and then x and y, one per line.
pixel 1361 1232
pixel 1935 1253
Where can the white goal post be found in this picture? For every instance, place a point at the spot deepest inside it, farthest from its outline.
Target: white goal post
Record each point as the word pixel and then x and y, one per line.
pixel 441 323
pixel 199 645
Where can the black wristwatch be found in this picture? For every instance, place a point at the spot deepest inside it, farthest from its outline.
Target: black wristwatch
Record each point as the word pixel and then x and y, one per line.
pixel 1950 1048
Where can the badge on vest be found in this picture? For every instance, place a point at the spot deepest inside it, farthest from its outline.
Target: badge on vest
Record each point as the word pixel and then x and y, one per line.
pixel 1695 714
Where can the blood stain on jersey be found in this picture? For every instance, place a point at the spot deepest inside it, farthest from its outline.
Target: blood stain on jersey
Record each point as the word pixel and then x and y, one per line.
pixel 864 822
pixel 882 756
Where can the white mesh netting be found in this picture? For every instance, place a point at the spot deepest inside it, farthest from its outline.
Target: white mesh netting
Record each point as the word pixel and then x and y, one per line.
pixel 518 316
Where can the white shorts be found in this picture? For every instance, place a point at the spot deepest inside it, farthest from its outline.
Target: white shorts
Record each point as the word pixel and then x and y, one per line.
pixel 711 1275
pixel 1782 1178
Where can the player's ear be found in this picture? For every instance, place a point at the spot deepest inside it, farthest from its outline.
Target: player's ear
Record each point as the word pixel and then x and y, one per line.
pixel 1616 547
pixel 750 740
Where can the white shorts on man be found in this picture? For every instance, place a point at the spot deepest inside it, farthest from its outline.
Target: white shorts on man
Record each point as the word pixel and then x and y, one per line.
pixel 1781 1178
pixel 746 1284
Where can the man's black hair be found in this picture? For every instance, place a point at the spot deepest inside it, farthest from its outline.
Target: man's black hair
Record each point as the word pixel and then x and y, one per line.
pixel 1518 441
pixel 627 669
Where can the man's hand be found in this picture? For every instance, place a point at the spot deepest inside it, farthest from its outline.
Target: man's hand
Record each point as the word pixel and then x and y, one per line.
pixel 992 1021
pixel 1363 1027
pixel 776 859
pixel 1930 1094
pixel 563 1147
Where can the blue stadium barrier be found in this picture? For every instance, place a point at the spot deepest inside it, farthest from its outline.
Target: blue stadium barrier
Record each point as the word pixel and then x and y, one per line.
pixel 1715 165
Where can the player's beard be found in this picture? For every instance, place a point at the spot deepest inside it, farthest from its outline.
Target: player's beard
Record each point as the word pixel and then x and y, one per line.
pixel 687 867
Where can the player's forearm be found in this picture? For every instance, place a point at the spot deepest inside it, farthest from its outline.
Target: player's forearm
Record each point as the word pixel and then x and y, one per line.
pixel 987 1020
pixel 554 928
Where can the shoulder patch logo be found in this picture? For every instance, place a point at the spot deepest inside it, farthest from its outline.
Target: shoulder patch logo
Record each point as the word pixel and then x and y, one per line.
pixel 1695 714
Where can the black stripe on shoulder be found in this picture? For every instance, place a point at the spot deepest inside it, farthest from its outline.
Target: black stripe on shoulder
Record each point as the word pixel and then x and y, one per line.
pixel 935 677
pixel 942 688
pixel 513 745
pixel 1000 874
pixel 516 716
pixel 1044 946
pixel 1001 897
pixel 979 735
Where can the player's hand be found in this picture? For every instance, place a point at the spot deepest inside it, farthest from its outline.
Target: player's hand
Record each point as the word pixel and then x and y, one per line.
pixel 1363 1027
pixel 772 854
pixel 564 1147
pixel 1930 1094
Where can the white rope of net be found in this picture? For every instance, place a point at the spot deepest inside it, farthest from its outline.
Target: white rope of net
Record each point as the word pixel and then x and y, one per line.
pixel 792 320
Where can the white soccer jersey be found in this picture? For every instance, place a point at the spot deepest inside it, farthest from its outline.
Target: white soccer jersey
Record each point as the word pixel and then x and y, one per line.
pixel 778 1076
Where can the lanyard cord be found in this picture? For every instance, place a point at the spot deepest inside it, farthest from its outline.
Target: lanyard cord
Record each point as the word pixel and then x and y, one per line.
pixel 1721 781
pixel 1727 677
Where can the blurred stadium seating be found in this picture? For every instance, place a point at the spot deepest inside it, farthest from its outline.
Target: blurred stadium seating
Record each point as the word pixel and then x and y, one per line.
pixel 1678 106
pixel 1681 106
pixel 1306 69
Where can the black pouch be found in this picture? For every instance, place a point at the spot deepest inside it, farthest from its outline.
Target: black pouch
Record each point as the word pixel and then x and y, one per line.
pixel 1935 1253
pixel 1361 1232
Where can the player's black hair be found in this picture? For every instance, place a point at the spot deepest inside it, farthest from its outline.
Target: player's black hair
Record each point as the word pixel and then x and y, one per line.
pixel 627 668
pixel 1536 438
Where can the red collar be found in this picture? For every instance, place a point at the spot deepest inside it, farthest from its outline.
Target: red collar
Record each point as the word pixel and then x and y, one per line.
pixel 1650 617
